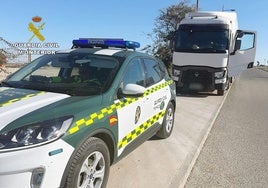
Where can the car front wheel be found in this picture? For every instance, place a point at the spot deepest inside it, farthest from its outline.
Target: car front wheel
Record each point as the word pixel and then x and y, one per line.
pixel 89 167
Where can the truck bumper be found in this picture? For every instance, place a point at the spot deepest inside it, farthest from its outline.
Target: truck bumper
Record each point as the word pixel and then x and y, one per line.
pixel 195 78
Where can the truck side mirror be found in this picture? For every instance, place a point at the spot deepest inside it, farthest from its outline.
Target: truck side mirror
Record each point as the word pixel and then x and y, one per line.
pixel 237 44
pixel 171 44
pixel 240 34
pixel 172 38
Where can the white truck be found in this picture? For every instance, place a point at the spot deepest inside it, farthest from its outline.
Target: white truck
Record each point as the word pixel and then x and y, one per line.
pixel 209 50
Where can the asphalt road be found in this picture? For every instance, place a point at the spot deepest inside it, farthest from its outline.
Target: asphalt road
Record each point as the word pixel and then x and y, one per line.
pixel 236 151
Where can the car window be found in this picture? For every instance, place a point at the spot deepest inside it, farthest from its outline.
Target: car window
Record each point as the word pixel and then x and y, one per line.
pixel 77 74
pixel 48 70
pixel 154 72
pixel 134 73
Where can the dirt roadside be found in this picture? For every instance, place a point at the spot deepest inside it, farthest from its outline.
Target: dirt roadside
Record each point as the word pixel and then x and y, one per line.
pixel 8 71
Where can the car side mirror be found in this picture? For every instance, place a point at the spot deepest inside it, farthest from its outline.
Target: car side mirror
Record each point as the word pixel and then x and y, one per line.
pixel 133 90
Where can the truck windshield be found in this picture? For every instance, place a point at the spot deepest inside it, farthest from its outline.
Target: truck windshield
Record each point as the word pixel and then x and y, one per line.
pixel 202 39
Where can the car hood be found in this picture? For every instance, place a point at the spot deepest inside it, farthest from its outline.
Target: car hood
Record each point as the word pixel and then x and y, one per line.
pixel 15 103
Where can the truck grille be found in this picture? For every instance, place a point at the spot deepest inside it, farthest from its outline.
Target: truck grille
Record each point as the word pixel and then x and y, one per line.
pixel 200 80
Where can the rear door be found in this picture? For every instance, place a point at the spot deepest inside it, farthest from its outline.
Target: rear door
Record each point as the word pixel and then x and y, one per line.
pixel 158 93
pixel 243 58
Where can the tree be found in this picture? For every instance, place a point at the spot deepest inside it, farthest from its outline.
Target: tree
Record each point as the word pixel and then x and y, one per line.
pixel 165 26
pixel 3 59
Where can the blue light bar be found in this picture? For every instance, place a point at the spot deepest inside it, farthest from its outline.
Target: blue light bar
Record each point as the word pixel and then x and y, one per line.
pixel 105 43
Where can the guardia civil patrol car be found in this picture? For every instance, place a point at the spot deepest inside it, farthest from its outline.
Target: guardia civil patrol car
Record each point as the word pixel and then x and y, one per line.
pixel 66 117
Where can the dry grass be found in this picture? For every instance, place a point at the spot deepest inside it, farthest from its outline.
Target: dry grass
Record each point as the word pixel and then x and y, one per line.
pixel 265 68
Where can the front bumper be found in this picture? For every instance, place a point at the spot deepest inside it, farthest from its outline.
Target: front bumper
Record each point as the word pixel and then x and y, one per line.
pixel 198 78
pixel 17 167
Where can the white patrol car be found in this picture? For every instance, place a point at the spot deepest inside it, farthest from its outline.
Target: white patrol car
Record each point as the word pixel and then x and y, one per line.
pixel 65 118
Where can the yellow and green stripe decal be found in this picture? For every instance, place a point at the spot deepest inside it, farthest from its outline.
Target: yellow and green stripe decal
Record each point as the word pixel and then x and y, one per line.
pixel 20 98
pixel 89 120
pixel 100 114
pixel 157 87
pixel 140 129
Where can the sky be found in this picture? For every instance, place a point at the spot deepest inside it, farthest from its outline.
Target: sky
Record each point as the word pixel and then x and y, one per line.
pixel 65 20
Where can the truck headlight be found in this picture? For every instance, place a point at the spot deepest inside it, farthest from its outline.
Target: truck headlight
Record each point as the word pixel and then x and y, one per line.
pixel 219 74
pixel 36 133
pixel 176 72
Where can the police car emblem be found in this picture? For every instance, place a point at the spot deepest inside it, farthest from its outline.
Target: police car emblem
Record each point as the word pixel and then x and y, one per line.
pixel 162 105
pixel 137 114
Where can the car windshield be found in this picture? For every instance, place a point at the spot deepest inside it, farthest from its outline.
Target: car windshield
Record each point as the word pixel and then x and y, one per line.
pixel 202 39
pixel 76 74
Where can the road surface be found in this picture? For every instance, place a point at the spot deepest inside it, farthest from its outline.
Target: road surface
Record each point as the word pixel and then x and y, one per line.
pixel 236 151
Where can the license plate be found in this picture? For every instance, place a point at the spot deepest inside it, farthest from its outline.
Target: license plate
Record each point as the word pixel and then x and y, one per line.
pixel 196 86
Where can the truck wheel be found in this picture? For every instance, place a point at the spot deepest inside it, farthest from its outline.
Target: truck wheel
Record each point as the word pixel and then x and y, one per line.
pixel 220 92
pixel 231 79
pixel 168 122
pixel 90 165
pixel 228 83
pixel 179 89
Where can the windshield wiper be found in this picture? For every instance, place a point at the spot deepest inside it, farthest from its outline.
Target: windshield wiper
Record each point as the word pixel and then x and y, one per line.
pixel 4 83
pixel 184 50
pixel 211 50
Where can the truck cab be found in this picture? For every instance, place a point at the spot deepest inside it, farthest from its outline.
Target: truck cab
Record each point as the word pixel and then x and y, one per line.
pixel 209 50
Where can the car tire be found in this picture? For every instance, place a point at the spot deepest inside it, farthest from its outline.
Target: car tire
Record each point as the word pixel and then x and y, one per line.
pixel 168 122
pixel 89 166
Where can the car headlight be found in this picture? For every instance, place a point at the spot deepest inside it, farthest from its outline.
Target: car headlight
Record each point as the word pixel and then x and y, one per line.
pixel 219 74
pixel 37 133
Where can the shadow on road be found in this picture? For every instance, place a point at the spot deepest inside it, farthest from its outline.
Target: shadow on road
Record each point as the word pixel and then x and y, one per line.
pixel 195 94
